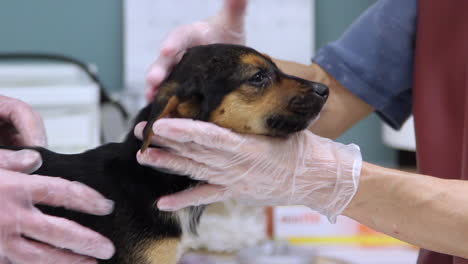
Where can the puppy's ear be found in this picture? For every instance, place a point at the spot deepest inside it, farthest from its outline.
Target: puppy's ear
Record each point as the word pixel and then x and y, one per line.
pixel 173 100
pixel 190 108
pixel 163 105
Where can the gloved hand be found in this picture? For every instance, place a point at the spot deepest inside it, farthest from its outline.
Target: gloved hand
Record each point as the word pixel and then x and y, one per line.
pixel 303 169
pixel 226 27
pixel 20 125
pixel 55 240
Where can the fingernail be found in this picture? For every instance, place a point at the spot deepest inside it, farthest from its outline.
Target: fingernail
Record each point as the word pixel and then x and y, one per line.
pixel 105 206
pixel 145 157
pixel 162 131
pixel 101 206
pixel 163 205
pixel 141 157
pixel 31 160
pixel 27 155
pixel 40 142
pixel 106 251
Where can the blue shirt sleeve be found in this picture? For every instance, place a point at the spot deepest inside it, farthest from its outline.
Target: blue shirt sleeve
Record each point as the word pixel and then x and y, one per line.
pixel 374 58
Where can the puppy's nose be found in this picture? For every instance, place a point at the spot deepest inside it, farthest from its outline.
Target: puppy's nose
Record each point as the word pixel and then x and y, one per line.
pixel 321 90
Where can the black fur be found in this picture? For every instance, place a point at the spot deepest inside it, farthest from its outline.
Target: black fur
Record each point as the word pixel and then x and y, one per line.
pixel 113 170
pixel 206 74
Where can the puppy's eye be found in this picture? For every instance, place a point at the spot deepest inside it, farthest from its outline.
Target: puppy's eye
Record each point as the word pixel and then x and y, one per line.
pixel 259 79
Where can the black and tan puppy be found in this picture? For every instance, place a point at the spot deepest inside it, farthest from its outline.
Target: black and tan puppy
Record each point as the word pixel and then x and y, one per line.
pixel 232 86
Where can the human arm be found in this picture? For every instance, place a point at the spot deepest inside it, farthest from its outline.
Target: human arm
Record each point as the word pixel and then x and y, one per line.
pixel 228 27
pixel 425 211
pixel 56 240
pixel 419 209
pixel 411 207
pixel 306 169
pixel 371 63
pixel 369 68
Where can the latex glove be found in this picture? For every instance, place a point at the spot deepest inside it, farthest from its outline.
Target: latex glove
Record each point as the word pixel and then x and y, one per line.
pixel 303 169
pixel 56 240
pixel 20 125
pixel 226 27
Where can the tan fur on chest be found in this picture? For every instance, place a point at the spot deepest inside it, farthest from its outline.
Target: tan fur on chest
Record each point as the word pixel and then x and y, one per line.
pixel 161 251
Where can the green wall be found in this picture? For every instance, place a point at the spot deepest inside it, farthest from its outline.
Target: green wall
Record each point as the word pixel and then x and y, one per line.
pixel 332 19
pixel 90 30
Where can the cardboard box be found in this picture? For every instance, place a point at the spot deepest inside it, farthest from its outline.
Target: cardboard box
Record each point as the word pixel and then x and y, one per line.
pixel 302 226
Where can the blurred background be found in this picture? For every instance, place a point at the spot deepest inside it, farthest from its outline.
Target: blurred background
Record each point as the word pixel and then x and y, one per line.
pixel 115 40
pixel 93 31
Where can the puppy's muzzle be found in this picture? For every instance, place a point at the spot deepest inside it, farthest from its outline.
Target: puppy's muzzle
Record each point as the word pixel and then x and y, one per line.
pixel 311 101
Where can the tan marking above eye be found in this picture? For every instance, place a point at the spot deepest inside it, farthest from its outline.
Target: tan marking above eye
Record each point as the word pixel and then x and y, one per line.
pixel 254 60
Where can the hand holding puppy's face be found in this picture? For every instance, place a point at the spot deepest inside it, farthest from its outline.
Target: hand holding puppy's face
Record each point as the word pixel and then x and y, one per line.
pixel 237 88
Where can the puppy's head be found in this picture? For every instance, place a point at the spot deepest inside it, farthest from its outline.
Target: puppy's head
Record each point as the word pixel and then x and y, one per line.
pixel 237 88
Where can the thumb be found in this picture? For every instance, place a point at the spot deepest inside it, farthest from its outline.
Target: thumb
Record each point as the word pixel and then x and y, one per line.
pixel 201 195
pixel 233 13
pixel 235 9
pixel 25 161
pixel 4 260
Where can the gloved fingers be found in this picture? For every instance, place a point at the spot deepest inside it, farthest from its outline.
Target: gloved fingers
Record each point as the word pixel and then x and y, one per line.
pixel 158 73
pixel 235 9
pixel 159 140
pixel 201 195
pixel 171 53
pixel 181 39
pixel 155 77
pixel 226 27
pixel 179 165
pixel 188 150
pixel 4 260
pixel 25 161
pixel 63 233
pixel 30 129
pixel 233 12
pixel 205 134
pixel 57 192
pixel 193 152
pixel 24 251
pixel 138 130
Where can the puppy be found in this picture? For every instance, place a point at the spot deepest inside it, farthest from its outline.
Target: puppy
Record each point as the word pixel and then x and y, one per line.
pixel 232 86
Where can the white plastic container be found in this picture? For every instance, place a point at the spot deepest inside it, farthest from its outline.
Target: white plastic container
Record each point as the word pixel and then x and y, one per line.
pixel 66 98
pixel 404 139
pixel 276 253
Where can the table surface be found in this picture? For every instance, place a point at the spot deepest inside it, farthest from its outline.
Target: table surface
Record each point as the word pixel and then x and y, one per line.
pixel 345 255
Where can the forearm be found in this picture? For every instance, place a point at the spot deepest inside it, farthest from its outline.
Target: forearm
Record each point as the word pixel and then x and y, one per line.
pixel 415 208
pixel 342 110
